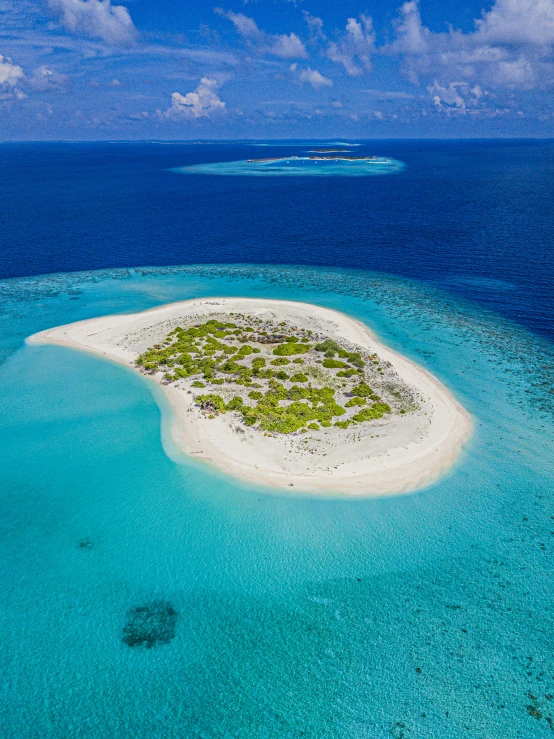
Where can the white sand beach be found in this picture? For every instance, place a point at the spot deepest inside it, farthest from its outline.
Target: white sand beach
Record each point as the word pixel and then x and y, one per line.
pixel 394 454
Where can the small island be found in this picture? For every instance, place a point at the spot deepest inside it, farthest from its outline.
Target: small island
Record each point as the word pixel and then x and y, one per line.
pixel 285 394
pixel 342 157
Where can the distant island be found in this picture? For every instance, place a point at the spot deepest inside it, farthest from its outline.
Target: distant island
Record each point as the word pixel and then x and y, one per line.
pixel 285 394
pixel 319 158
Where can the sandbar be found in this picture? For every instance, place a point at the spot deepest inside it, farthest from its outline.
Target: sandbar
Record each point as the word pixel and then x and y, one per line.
pixel 391 455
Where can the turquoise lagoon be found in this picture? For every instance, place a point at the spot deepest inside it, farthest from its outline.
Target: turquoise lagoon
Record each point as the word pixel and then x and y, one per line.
pixel 420 616
pixel 298 166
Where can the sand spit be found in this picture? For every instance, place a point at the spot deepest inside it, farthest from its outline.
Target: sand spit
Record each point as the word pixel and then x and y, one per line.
pixel 395 454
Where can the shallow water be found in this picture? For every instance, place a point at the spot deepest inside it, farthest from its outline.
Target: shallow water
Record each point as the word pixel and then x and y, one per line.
pixel 296 166
pixel 267 615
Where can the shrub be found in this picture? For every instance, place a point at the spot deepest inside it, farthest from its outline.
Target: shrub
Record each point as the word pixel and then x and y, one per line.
pixel 362 389
pixel 298 361
pixel 347 373
pixel 342 424
pixel 290 348
pixel 197 383
pixel 299 377
pixel 279 362
pixel 354 402
pixel 255 395
pixel 373 413
pixel 355 359
pixel 333 364
pixel 313 426
pixel 281 375
pixel 328 346
pixel 211 402
pixel 235 404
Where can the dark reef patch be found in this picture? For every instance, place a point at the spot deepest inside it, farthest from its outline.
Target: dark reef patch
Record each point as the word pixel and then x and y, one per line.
pixel 150 625
pixel 85 544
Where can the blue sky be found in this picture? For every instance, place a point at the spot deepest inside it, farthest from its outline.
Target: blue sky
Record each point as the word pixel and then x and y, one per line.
pixel 139 69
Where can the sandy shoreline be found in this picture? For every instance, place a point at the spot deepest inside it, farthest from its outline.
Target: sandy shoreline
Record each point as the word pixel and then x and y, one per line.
pixel 404 456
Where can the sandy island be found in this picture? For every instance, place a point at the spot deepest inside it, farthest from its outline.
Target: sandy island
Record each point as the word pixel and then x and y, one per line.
pixel 397 453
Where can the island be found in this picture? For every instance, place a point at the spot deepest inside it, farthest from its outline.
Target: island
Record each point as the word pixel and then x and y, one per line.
pixel 285 394
pixel 322 158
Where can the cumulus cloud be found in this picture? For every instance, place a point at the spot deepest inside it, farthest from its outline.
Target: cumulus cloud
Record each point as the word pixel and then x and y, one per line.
pixel 10 77
pixel 457 97
pixel 45 79
pixel 510 47
pixel 315 26
pixel 518 22
pixel 10 73
pixel 96 18
pixel 244 25
pixel 312 77
pixel 354 49
pixel 284 46
pixel 203 102
pixel 288 47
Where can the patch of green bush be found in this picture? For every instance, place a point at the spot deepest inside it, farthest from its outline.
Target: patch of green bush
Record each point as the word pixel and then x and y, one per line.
pixel 347 373
pixel 235 404
pixel 328 346
pixel 377 410
pixel 299 377
pixel 342 424
pixel 280 362
pixel 290 348
pixel 333 364
pixel 354 402
pixel 255 395
pixel 362 389
pixel 211 401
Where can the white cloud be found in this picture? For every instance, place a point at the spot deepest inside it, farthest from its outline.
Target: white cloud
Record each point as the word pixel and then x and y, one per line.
pixel 96 18
pixel 284 46
pixel 10 73
pixel 244 25
pixel 203 102
pixel 518 22
pixel 355 47
pixel 457 97
pixel 288 47
pixel 314 78
pixel 45 79
pixel 511 46
pixel 315 25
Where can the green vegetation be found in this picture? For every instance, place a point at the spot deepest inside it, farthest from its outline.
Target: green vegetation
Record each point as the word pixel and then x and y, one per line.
pixel 355 402
pixel 362 390
pixel 377 410
pixel 333 364
pixel 289 348
pixel 347 373
pixel 224 353
pixel 299 377
pixel 211 402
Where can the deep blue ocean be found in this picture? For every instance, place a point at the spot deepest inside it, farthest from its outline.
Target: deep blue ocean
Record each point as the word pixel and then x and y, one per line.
pixel 422 616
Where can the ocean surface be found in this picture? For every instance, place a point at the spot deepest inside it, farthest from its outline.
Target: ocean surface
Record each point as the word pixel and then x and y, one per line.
pixel 269 615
